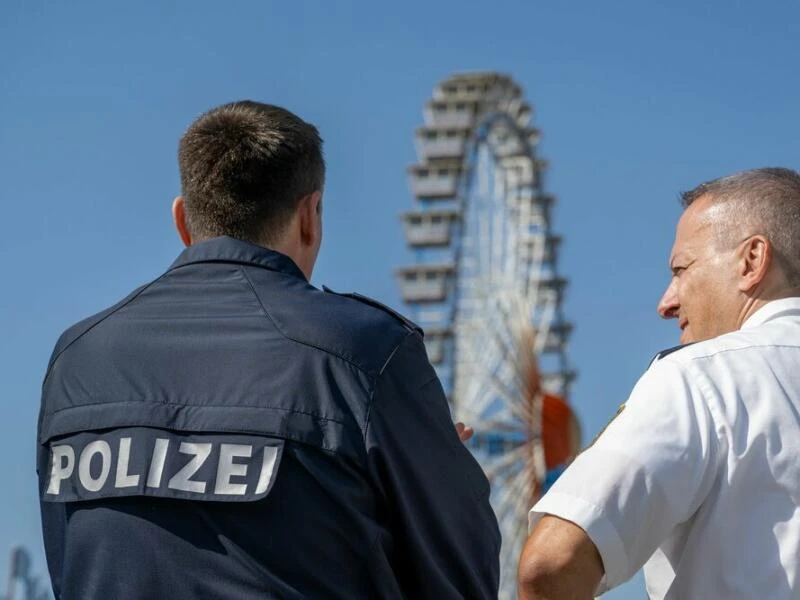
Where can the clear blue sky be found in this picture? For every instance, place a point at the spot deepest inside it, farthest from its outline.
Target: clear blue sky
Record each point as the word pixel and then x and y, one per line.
pixel 636 100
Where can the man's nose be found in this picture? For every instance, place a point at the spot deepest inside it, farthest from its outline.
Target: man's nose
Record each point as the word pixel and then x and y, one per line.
pixel 668 305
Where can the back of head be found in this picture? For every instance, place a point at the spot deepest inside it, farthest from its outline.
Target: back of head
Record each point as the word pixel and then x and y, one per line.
pixel 759 201
pixel 244 166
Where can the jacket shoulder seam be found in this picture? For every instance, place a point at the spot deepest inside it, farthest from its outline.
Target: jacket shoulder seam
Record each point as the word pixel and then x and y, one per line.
pixel 371 401
pixel 111 311
pixel 344 357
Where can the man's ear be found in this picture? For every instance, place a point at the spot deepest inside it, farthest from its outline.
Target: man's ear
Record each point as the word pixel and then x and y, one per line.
pixel 310 210
pixel 179 217
pixel 755 260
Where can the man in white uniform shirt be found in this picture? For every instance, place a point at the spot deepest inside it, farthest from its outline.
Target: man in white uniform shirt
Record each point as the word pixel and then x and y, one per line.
pixel 698 478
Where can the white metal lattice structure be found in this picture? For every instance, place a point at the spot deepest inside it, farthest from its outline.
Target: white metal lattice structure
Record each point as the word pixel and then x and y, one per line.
pixel 484 285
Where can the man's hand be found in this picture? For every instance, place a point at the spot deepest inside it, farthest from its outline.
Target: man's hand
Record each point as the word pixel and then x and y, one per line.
pixel 464 432
pixel 559 562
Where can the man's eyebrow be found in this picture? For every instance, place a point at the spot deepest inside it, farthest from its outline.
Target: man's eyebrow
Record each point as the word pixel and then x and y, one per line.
pixel 678 257
pixel 682 261
pixel 671 263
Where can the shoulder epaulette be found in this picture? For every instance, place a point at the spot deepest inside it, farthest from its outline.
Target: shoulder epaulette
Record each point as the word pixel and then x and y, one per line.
pixel 668 351
pixel 408 324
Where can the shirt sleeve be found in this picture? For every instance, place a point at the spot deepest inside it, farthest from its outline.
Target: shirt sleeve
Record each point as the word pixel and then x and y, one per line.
pixel 646 473
pixel 444 533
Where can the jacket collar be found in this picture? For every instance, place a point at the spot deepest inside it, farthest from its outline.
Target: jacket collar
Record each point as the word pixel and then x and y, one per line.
pixel 231 250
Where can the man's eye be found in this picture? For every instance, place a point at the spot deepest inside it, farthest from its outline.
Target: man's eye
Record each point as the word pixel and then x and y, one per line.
pixel 676 271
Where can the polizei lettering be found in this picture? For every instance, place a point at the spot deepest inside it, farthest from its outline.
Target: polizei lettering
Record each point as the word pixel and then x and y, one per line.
pixel 142 461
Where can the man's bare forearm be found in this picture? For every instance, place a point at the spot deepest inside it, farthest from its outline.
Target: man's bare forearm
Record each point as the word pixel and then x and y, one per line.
pixel 559 562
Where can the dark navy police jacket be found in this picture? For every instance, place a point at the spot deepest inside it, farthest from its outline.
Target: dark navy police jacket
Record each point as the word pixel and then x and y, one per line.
pixel 230 431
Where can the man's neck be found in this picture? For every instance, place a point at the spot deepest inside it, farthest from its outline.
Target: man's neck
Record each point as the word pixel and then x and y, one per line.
pixel 757 301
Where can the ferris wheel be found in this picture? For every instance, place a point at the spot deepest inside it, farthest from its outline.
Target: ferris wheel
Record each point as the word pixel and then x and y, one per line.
pixel 485 288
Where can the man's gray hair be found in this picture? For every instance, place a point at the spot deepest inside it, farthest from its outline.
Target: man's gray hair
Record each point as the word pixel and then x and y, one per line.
pixel 767 198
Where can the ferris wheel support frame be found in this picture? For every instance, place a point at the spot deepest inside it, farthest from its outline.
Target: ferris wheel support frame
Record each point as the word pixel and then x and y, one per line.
pixel 485 286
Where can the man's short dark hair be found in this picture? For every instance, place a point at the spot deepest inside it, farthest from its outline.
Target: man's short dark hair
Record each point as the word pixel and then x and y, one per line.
pixel 767 199
pixel 244 166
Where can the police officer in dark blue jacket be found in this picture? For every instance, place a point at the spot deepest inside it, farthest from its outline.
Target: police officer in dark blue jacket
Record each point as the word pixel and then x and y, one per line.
pixel 230 431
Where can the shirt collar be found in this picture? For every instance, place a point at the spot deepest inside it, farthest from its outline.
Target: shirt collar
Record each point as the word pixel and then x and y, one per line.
pixel 772 310
pixel 231 250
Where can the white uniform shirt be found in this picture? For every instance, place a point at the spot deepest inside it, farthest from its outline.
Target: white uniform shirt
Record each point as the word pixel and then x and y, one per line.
pixel 699 475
